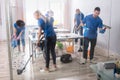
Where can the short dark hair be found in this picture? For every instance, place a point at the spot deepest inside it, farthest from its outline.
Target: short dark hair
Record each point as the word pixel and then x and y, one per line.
pixel 20 23
pixel 97 9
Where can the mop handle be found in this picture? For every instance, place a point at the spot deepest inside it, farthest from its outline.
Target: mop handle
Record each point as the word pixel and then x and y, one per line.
pixel 31 56
pixel 27 61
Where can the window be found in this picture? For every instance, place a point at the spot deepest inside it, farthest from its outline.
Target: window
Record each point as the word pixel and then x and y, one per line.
pixel 57 6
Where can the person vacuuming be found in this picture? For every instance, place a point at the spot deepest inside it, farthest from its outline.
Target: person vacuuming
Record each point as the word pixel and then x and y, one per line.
pixel 50 38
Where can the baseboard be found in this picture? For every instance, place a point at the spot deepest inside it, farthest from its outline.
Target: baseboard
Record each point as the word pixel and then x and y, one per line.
pixel 110 54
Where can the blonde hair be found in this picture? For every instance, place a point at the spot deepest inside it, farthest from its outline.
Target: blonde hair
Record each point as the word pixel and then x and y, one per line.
pixel 37 12
pixel 40 14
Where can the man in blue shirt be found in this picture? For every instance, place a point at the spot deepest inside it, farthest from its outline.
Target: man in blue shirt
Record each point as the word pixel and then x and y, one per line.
pixel 50 38
pixel 92 23
pixel 19 33
pixel 79 16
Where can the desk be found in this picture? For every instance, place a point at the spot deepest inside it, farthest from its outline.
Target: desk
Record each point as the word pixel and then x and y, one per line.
pixel 35 30
pixel 60 37
pixel 62 30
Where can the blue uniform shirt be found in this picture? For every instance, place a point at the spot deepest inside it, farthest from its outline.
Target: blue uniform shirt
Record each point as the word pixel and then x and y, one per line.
pixel 51 20
pixel 79 17
pixel 46 27
pixel 92 24
pixel 19 29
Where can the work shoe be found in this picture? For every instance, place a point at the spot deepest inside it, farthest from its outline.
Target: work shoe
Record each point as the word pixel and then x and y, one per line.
pixel 55 68
pixel 84 62
pixel 92 62
pixel 47 70
pixel 44 70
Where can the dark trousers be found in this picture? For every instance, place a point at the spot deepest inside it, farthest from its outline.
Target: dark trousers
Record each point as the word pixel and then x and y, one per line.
pixel 86 44
pixel 50 48
pixel 81 34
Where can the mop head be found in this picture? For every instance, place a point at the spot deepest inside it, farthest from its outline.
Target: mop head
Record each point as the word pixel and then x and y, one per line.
pixel 20 71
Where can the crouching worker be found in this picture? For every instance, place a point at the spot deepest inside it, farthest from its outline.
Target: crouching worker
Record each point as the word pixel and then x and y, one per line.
pixel 50 38
pixel 19 33
pixel 117 71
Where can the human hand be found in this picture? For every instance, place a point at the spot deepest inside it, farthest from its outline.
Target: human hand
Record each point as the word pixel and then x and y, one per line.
pixel 104 28
pixel 81 23
pixel 78 28
pixel 18 38
pixel 14 36
pixel 37 43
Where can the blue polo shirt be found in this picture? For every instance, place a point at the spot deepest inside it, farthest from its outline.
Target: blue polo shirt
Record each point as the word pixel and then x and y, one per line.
pixel 79 17
pixel 46 27
pixel 19 29
pixel 51 20
pixel 92 25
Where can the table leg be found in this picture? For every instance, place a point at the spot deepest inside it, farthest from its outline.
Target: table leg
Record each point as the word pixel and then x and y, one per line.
pixel 30 44
pixel 32 53
pixel 29 47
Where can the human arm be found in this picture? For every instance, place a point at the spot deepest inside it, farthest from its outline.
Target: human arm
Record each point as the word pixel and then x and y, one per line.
pixel 40 24
pixel 75 19
pixel 81 21
pixel 14 32
pixel 39 34
pixel 21 32
pixel 101 28
pixel 18 37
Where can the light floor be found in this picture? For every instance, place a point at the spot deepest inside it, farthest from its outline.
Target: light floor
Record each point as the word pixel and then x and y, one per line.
pixel 70 71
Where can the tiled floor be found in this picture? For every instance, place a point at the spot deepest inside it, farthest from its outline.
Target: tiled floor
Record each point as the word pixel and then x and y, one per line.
pixel 70 71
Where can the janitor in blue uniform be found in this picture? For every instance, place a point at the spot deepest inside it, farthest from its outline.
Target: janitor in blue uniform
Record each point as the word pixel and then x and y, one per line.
pixel 50 38
pixel 92 23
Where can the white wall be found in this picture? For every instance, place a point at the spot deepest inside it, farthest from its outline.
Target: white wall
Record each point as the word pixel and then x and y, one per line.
pixel 16 14
pixel 109 14
pixel 29 10
pixel 115 23
pixel 3 33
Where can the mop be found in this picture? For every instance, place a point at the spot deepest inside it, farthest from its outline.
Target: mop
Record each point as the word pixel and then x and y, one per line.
pixel 20 71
